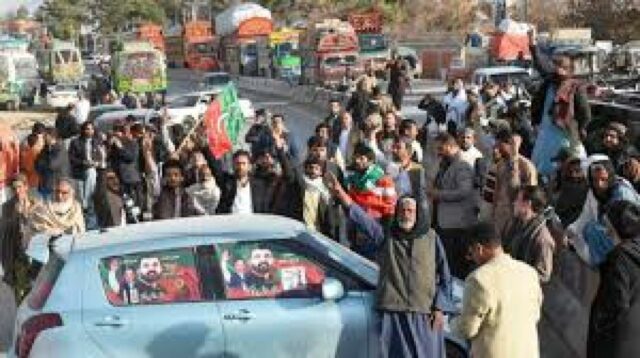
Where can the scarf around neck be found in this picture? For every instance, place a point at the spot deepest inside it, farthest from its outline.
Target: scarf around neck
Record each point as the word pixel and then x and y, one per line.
pixel 368 179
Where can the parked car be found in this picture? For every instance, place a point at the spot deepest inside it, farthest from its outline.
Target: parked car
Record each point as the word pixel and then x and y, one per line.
pixel 97 111
pixel 204 286
pixel 106 121
pixel 215 81
pixel 62 95
pixel 188 109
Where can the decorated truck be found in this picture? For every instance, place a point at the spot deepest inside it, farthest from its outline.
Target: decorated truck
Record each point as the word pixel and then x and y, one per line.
pixel 285 54
pixel 151 33
pixel 330 53
pixel 374 45
pixel 193 47
pixel 138 67
pixel 60 62
pixel 244 31
pixel 10 88
pixel 20 68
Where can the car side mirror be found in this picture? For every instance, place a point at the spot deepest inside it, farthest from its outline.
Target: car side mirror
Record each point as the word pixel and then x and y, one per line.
pixel 332 289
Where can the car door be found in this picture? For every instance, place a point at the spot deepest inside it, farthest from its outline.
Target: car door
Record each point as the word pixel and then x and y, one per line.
pixel 272 304
pixel 151 304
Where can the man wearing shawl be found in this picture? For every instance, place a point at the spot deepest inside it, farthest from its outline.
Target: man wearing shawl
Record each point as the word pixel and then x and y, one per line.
pixel 414 287
pixel 60 215
pixel 560 110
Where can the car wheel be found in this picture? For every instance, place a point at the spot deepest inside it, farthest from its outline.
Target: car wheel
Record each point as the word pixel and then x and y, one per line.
pixel 454 351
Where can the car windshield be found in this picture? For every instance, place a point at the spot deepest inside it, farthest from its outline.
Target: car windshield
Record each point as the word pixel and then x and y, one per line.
pixel 26 67
pixel 216 80
pixel 184 101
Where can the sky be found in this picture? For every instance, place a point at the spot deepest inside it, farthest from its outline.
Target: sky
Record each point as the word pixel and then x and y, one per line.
pixel 10 6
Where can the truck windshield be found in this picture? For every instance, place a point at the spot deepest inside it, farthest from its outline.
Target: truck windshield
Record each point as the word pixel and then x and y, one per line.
pixel 139 64
pixel 66 56
pixel 26 67
pixel 203 48
pixel 372 42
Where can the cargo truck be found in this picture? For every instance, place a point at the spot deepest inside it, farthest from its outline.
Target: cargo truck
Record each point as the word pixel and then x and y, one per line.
pixel 194 47
pixel 373 43
pixel 330 52
pixel 138 67
pixel 244 32
pixel 285 54
pixel 60 62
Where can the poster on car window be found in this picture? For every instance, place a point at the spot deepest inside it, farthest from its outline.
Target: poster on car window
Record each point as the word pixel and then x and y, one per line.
pixel 253 270
pixel 151 278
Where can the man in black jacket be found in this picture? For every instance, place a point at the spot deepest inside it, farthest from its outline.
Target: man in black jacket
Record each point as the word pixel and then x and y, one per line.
pixel 53 162
pixel 125 159
pixel 244 191
pixel 614 324
pixel 85 155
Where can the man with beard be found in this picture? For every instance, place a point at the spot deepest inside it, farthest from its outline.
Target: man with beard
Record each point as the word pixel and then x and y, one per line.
pixel 108 201
pixel 414 288
pixel 174 201
pixel 261 277
pixel 388 134
pixel 52 163
pixel 570 187
pixel 527 237
pixel 149 274
pixel 62 214
pixel 454 201
pixel 631 171
pixel 615 145
pixel 589 234
pixel 560 109
pixel 244 191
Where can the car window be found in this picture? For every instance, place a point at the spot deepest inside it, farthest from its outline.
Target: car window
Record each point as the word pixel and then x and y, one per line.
pixel 184 101
pixel 152 277
pixel 268 269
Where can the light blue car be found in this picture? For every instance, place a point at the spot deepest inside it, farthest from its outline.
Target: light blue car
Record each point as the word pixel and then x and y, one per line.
pixel 221 286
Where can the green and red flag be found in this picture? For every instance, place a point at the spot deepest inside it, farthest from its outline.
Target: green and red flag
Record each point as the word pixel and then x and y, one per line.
pixel 223 121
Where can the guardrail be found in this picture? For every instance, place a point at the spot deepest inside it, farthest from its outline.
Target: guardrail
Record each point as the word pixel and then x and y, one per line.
pixel 305 94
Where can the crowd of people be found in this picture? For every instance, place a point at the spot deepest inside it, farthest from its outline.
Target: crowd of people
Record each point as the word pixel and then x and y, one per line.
pixel 479 193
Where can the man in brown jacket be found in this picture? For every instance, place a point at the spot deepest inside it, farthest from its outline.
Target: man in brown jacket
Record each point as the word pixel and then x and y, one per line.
pixel 513 171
